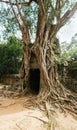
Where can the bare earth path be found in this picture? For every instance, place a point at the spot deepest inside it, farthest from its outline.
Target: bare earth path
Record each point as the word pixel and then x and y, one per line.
pixel 14 115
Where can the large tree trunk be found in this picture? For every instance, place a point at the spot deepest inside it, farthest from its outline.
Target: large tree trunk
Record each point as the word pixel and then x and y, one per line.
pixel 46 64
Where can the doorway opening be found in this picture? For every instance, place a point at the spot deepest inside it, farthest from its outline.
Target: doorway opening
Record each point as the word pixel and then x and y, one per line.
pixel 35 80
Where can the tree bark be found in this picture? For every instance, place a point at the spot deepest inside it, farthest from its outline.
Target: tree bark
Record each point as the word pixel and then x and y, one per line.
pixel 46 64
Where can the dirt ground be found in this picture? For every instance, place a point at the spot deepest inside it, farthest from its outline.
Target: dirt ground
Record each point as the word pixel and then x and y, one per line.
pixel 18 113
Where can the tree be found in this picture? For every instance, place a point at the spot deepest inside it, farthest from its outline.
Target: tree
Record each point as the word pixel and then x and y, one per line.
pixel 10 56
pixel 49 16
pixel 69 50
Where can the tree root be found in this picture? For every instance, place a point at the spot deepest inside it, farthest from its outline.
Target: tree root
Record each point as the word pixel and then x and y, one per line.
pixel 65 99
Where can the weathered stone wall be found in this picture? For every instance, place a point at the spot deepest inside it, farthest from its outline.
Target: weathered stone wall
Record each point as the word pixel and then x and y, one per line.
pixel 72 76
pixel 68 75
pixel 9 79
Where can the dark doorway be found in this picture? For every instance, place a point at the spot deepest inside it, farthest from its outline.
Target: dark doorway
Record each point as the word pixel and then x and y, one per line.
pixel 35 80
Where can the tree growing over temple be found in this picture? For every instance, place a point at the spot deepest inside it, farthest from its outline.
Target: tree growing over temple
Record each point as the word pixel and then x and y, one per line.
pixel 40 20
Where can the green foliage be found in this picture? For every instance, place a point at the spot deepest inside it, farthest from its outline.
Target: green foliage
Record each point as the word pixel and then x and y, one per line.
pixel 9 22
pixel 69 51
pixel 10 56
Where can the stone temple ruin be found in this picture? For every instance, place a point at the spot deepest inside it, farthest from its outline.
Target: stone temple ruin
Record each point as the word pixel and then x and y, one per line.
pixel 67 73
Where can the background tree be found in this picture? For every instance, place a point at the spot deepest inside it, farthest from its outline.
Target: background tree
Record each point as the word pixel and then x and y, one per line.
pixel 10 56
pixel 69 50
pixel 49 17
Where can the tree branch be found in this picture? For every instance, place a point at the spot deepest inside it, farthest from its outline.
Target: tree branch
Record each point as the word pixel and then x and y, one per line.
pixel 15 14
pixel 53 8
pixel 63 21
pixel 23 3
pixel 67 16
pixel 41 22
pixel 63 4
pixel 41 4
pixel 21 16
